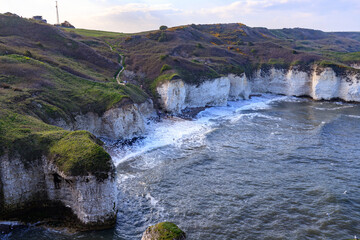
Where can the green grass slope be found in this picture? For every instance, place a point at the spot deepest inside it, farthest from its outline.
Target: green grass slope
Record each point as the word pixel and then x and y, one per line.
pixel 199 52
pixel 47 74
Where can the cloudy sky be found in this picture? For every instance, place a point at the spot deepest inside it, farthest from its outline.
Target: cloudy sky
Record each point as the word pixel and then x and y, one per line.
pixel 141 15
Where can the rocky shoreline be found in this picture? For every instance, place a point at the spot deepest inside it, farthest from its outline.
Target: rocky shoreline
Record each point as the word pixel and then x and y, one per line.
pixel 319 84
pixel 93 200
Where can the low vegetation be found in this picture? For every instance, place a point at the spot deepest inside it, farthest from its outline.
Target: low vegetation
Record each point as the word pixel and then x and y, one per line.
pixel 166 231
pixel 45 76
pixel 48 73
pixel 75 153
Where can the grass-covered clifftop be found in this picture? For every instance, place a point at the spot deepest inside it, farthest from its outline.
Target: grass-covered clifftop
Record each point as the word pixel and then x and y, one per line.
pixel 75 153
pixel 46 75
pixel 199 52
pixel 49 73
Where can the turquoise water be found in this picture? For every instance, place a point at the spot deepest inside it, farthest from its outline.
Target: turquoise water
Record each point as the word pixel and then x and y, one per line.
pixel 272 167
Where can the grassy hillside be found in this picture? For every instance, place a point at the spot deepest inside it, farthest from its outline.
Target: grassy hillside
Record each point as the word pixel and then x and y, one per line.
pixel 199 52
pixel 49 73
pixel 45 75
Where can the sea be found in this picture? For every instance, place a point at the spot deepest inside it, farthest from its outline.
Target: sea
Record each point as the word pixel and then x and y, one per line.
pixel 271 167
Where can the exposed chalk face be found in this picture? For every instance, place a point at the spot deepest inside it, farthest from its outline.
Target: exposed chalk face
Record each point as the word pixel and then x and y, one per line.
pixel 93 202
pixel 349 88
pixel 21 182
pixel 320 85
pixel 239 87
pixel 299 83
pixel 356 66
pixel 325 85
pixel 173 94
pixel 209 93
pixel 176 95
pixel 117 123
pixel 279 81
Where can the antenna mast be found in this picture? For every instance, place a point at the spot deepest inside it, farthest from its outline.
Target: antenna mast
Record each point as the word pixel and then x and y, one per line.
pixel 57 13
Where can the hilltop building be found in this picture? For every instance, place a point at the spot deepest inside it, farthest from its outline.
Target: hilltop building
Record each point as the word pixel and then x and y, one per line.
pixel 39 18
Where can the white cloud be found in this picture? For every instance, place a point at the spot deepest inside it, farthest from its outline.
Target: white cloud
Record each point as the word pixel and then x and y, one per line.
pixel 140 15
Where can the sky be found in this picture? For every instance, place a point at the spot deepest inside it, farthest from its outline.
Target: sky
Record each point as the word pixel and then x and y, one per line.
pixel 142 15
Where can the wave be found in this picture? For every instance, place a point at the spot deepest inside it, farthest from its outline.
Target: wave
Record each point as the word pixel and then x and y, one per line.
pixel 189 133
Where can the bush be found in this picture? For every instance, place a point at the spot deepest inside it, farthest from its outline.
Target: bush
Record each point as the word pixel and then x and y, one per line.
pixel 163 57
pixel 250 44
pixel 199 45
pixel 295 52
pixel 39 44
pixel 163 28
pixel 240 42
pixel 163 37
pixel 165 67
pixel 28 54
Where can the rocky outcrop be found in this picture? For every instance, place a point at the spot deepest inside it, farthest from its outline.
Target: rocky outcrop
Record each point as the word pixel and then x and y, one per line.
pixel 356 66
pixel 176 95
pixel 172 95
pixel 124 122
pixel 164 231
pixel 92 200
pixel 319 83
pixel 239 87
pixel 26 185
pixel 279 81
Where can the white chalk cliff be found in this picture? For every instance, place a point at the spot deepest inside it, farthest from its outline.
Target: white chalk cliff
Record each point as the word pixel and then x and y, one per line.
pixel 26 185
pixel 176 95
pixel 320 84
pixel 92 200
pixel 123 122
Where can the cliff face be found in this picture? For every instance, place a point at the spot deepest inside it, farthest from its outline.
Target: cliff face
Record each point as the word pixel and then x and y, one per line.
pixel 320 84
pixel 177 95
pixel 39 183
pixel 58 169
pixel 117 123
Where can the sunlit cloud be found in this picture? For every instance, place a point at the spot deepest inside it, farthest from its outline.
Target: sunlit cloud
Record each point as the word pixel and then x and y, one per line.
pixel 142 15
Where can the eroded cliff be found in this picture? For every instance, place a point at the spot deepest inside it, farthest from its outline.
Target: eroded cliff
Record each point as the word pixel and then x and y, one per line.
pixel 319 83
pixel 43 167
pixel 124 122
pixel 177 95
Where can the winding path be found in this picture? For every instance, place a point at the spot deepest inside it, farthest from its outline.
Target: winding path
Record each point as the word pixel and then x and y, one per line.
pixel 121 62
pixel 122 69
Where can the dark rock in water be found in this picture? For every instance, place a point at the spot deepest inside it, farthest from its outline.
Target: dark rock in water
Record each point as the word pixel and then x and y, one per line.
pixel 7 227
pixel 164 231
pixel 190 113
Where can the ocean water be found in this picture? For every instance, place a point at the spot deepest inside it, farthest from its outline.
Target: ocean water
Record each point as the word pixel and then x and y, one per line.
pixel 272 167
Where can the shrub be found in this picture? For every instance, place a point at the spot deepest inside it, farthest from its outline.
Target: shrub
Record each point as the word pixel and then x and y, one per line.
pixel 199 45
pixel 250 44
pixel 240 42
pixel 165 67
pixel 39 44
pixel 163 57
pixel 163 28
pixel 28 54
pixel 163 37
pixel 295 52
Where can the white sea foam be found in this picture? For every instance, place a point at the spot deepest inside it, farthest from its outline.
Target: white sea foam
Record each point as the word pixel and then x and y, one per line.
pixel 353 116
pixel 152 200
pixel 183 133
pixel 334 108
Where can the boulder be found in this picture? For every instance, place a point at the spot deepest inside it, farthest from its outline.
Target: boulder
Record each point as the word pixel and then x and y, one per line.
pixel 164 231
